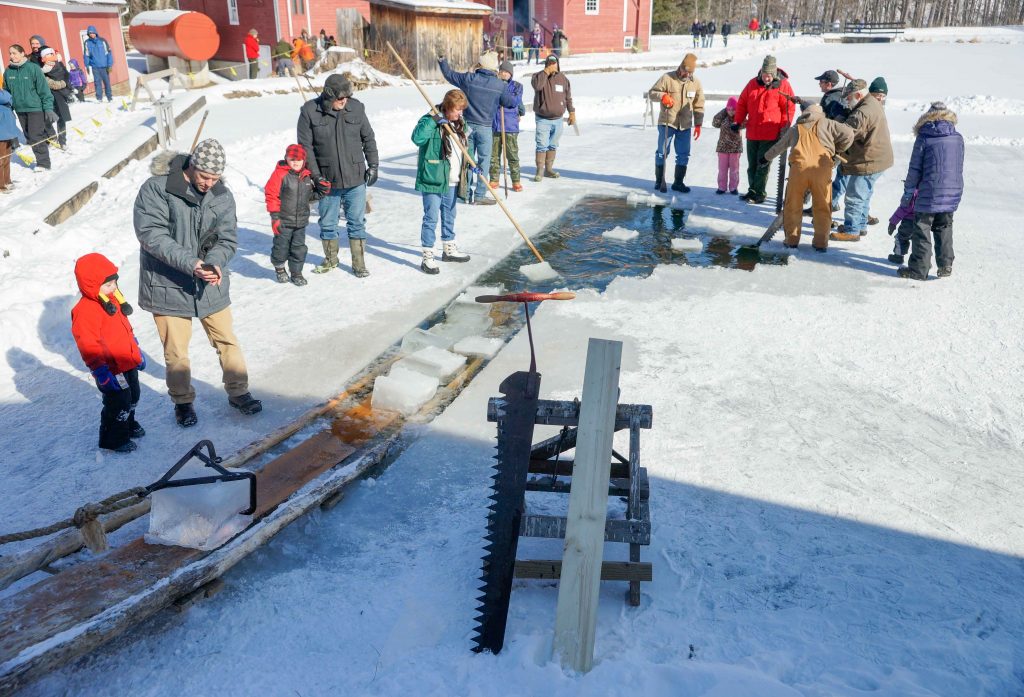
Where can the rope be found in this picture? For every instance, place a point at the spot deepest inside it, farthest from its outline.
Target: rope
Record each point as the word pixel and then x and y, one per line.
pixel 84 515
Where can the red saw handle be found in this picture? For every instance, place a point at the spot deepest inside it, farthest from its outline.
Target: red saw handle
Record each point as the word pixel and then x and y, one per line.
pixel 525 297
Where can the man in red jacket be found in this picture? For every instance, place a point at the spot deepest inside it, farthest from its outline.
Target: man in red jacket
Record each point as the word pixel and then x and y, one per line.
pixel 252 53
pixel 110 350
pixel 766 106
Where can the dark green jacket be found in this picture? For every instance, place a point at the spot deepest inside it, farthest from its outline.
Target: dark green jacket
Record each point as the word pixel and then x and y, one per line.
pixel 28 88
pixel 433 170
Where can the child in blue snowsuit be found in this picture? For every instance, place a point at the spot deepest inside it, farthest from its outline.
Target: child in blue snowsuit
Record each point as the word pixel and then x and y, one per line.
pixel 506 130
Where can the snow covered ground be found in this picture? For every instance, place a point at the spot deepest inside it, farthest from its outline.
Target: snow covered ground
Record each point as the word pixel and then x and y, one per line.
pixel 836 457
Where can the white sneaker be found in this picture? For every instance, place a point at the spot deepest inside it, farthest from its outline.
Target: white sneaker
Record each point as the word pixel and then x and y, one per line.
pixel 451 253
pixel 428 265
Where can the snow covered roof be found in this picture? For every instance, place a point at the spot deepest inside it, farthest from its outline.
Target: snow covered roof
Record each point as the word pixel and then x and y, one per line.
pixel 438 6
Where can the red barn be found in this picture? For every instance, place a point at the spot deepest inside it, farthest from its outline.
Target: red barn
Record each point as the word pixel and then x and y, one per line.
pixel 63 23
pixel 272 19
pixel 592 26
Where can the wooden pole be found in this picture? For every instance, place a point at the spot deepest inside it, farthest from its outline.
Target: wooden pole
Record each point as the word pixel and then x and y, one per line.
pixel 504 150
pixel 576 614
pixel 465 152
pixel 195 141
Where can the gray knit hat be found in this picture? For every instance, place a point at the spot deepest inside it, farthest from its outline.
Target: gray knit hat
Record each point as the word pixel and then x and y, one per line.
pixel 769 66
pixel 506 67
pixel 938 106
pixel 209 157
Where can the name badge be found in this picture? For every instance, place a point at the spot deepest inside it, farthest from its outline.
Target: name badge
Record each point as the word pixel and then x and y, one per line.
pixel 559 88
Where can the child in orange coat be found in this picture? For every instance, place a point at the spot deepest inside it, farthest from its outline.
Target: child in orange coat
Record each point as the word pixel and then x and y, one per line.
pixel 99 323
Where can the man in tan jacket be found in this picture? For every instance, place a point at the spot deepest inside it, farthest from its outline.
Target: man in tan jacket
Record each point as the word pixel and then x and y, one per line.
pixel 682 107
pixel 814 141
pixel 868 156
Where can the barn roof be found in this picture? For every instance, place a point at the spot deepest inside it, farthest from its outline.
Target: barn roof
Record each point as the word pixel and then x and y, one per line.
pixel 462 7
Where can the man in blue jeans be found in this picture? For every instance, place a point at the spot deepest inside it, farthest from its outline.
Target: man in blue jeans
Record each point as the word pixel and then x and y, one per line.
pixel 552 97
pixel 101 60
pixel 866 160
pixel 342 152
pixel 485 91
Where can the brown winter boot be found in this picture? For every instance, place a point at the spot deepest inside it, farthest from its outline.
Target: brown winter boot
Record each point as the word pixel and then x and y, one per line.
pixel 549 164
pixel 330 256
pixel 358 249
pixel 540 166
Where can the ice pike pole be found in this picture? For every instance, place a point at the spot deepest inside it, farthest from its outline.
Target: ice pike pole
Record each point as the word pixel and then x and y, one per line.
pixel 516 416
pixel 534 272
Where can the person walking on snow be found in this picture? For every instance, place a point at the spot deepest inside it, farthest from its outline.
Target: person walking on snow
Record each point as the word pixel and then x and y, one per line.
pixel 712 28
pixel 252 53
pixel 936 176
pixel 77 80
pixel 729 149
pixel 342 150
pixel 486 92
pixel 867 158
pixel 901 222
pixel 440 173
pixel 99 57
pixel 726 30
pixel 288 193
pixel 104 336
pixel 682 107
pixel 814 141
pixel 766 107
pixel 187 228
pixel 32 101
pixel 558 41
pixel 695 32
pixel 552 97
pixel 753 27
pixel 536 42
pixel 506 132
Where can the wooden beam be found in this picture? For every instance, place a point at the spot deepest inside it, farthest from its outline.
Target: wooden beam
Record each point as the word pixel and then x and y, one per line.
pixel 610 570
pixel 576 614
pixel 564 413
pixel 565 466
pixel 562 485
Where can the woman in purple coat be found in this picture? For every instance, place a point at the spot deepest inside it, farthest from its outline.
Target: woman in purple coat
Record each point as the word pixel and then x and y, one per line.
pixel 936 172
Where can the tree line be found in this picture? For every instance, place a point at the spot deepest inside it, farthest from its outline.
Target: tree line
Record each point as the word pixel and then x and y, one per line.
pixel 676 16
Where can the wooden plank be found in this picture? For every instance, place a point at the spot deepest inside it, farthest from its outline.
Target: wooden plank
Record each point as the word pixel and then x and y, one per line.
pixel 565 467
pixel 635 472
pixel 635 572
pixel 564 413
pixel 616 487
pixel 554 527
pixel 576 613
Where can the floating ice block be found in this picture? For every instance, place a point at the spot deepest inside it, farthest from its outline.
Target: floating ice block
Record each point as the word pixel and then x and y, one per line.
pixel 478 346
pixel 635 199
pixel 538 272
pixel 437 363
pixel 403 390
pixel 620 234
pixel 682 244
pixel 419 339
pixel 466 306
pixel 203 516
pixel 463 327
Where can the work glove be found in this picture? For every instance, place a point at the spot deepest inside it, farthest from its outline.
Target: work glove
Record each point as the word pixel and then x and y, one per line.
pixel 477 171
pixel 734 127
pixel 323 187
pixel 107 381
pixel 572 118
pixel 142 365
pixel 51 117
pixel 275 223
pixel 370 176
pixel 696 132
pixel 667 101
pixel 892 229
pixel 440 121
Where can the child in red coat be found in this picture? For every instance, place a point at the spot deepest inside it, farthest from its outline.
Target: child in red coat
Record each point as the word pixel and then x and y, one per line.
pixel 110 350
pixel 289 192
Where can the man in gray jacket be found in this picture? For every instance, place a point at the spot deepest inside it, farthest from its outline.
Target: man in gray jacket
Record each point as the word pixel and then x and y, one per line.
pixel 343 159
pixel 185 221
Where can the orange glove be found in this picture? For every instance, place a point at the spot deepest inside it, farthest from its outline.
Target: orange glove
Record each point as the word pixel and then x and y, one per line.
pixel 667 101
pixel 696 132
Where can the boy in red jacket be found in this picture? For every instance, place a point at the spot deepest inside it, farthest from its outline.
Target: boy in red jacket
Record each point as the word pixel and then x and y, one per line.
pixel 289 193
pixel 110 350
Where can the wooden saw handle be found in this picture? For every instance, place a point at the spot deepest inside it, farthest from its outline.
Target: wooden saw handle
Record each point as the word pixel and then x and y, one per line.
pixel 525 297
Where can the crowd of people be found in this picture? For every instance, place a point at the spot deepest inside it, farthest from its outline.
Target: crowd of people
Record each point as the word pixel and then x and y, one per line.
pixel 186 224
pixel 36 92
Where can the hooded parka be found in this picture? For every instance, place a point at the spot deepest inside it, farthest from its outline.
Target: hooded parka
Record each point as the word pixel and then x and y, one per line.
pixel 102 339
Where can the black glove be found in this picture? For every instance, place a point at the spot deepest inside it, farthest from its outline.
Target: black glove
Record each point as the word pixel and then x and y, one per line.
pixel 370 177
pixel 51 116
pixel 735 127
pixel 762 163
pixel 323 187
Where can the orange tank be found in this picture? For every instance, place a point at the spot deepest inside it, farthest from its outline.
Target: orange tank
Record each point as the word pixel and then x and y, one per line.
pixel 188 35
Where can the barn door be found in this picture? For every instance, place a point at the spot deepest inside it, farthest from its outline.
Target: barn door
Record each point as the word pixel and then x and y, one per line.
pixel 350 29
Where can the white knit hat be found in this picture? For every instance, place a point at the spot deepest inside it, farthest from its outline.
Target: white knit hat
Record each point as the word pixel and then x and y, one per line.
pixel 489 61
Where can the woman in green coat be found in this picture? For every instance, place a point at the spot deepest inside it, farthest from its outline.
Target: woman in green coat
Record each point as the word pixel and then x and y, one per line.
pixel 32 101
pixel 439 173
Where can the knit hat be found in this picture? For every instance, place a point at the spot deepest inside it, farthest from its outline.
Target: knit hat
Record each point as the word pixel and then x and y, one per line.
pixel 489 61
pixel 769 66
pixel 938 106
pixel 689 63
pixel 878 85
pixel 209 157
pixel 47 52
pixel 337 87
pixel 295 152
pixel 505 67
pixel 732 103
pixel 41 40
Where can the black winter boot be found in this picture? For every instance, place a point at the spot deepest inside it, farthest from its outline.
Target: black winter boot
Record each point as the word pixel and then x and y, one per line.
pixel 185 415
pixel 678 184
pixel 659 178
pixel 246 403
